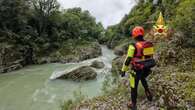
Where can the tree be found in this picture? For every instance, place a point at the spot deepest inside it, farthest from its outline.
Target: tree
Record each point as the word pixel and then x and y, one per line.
pixel 184 20
pixel 43 9
pixel 80 25
pixel 13 20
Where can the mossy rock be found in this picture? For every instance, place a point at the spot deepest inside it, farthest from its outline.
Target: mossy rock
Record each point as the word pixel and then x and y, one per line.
pixel 80 74
pixel 97 64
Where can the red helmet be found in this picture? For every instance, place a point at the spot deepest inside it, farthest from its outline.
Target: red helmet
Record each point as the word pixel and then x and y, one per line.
pixel 138 31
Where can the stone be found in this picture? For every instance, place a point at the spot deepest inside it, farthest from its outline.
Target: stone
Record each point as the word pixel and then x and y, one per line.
pixel 121 49
pixel 97 64
pixel 81 73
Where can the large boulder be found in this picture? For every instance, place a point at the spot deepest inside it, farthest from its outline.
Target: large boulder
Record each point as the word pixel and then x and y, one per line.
pixel 81 73
pixel 97 64
pixel 121 49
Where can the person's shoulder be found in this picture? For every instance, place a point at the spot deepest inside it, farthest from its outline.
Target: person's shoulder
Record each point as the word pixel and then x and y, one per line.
pixel 132 45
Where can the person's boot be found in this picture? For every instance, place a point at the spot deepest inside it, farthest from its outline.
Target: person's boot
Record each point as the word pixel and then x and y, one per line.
pixel 131 105
pixel 148 95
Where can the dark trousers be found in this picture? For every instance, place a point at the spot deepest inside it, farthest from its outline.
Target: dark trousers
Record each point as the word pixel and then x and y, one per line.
pixel 140 75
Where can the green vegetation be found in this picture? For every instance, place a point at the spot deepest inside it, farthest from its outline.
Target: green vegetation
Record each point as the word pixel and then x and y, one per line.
pixel 185 19
pixel 178 16
pixel 37 28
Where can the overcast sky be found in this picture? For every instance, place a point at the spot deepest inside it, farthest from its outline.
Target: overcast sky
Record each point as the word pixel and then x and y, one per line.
pixel 109 12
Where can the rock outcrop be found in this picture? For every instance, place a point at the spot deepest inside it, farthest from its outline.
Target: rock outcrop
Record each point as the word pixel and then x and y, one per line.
pixel 121 49
pixel 97 64
pixel 80 73
pixel 80 53
pixel 10 58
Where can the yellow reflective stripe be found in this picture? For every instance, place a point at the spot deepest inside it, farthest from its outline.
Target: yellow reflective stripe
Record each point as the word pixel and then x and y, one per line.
pixel 148 51
pixel 125 68
pixel 132 81
pixel 131 51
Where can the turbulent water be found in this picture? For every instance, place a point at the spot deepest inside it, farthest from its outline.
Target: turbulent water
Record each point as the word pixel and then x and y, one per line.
pixel 31 88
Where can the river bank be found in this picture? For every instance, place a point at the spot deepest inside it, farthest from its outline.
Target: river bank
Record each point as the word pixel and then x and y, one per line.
pixel 14 58
pixel 171 81
pixel 30 87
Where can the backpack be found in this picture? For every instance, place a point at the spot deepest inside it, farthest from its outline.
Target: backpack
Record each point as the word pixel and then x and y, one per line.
pixel 143 57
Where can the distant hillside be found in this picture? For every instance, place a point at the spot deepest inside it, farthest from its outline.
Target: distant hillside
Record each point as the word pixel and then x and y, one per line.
pixel 179 16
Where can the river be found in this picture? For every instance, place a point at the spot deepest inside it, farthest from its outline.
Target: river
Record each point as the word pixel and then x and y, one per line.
pixel 31 88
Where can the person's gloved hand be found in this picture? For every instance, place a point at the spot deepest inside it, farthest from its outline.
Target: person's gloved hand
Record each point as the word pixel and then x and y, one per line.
pixel 122 73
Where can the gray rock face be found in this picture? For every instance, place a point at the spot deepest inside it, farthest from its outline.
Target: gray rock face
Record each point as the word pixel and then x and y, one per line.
pixel 117 64
pixel 89 52
pixel 78 54
pixel 81 73
pixel 97 64
pixel 10 58
pixel 121 50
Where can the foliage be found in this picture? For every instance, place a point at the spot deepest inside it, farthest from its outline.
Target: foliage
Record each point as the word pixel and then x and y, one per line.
pixel 14 18
pixel 173 53
pixel 80 25
pixel 184 20
pixel 40 26
pixel 178 15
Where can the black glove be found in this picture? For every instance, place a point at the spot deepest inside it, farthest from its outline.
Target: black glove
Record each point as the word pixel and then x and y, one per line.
pixel 122 73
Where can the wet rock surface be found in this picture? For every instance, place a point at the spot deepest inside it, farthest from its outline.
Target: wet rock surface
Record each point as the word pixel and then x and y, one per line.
pixel 97 64
pixel 81 73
